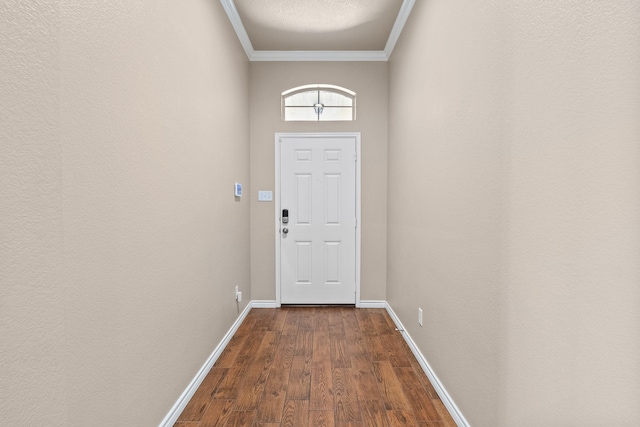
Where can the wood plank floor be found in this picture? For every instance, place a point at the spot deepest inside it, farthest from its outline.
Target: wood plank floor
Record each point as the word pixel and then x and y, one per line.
pixel 316 366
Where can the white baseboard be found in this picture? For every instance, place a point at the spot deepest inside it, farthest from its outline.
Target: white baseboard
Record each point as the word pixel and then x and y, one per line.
pixel 372 304
pixel 186 395
pixel 264 304
pixel 433 378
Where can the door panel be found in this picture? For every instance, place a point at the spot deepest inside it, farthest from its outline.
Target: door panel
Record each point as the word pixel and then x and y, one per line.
pixel 332 262
pixel 318 187
pixel 303 263
pixel 303 199
pixel 332 199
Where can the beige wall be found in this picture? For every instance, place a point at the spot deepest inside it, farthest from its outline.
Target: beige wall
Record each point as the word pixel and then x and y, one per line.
pixel 123 129
pixel 369 81
pixel 514 146
pixel 516 125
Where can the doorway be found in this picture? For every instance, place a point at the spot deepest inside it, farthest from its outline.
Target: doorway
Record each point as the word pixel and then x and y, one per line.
pixel 318 218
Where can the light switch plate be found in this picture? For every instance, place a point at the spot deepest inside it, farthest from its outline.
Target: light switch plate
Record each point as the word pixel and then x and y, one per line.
pixel 265 196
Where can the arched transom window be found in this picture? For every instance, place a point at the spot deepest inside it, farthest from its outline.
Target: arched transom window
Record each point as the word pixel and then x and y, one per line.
pixel 318 103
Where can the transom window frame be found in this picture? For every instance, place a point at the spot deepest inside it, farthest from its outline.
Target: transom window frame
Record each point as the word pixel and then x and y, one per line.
pixel 348 97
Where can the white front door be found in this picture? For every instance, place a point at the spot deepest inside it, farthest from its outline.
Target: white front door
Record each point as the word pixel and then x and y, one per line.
pixel 317 213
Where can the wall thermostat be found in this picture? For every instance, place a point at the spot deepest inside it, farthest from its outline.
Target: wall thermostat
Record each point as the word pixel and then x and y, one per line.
pixel 238 190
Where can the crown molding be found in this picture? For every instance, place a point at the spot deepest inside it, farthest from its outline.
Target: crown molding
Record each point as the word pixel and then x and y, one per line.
pixel 318 55
pixel 398 26
pixel 325 55
pixel 230 7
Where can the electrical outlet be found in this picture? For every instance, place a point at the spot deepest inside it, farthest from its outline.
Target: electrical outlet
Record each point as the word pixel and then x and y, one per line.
pixel 420 316
pixel 239 296
pixel 237 293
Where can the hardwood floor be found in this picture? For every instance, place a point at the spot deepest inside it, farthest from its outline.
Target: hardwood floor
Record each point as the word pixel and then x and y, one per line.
pixel 317 366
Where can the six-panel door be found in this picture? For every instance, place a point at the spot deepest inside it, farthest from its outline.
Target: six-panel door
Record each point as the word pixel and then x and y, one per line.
pixel 318 188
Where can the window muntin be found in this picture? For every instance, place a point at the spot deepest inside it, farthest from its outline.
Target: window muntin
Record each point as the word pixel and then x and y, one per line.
pixel 318 103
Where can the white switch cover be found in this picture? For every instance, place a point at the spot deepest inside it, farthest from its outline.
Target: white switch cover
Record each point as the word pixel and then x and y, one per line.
pixel 265 196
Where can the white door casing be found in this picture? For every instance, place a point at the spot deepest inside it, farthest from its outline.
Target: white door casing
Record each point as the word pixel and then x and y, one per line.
pixel 318 250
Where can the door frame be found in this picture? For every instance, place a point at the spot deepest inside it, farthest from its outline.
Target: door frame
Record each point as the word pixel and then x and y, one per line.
pixel 277 223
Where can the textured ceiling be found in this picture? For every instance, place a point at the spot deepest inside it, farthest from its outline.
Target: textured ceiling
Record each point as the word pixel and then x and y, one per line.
pixel 318 25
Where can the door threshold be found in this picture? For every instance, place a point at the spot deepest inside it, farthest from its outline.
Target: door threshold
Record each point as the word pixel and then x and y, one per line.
pixel 316 305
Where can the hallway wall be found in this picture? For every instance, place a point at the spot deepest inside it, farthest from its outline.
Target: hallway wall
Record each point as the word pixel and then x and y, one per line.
pixel 123 129
pixel 369 80
pixel 514 215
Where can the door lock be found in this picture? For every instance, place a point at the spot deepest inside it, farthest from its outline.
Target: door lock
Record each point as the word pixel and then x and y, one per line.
pixel 285 216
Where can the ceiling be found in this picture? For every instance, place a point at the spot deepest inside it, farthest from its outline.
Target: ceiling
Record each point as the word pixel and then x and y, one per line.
pixel 318 30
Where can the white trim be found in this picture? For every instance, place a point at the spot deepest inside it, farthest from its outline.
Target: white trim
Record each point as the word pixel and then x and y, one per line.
pixel 230 7
pixel 403 15
pixel 331 88
pixel 372 304
pixel 264 304
pixel 358 216
pixel 319 55
pixel 433 378
pixel 276 206
pixel 186 395
pixel 276 227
